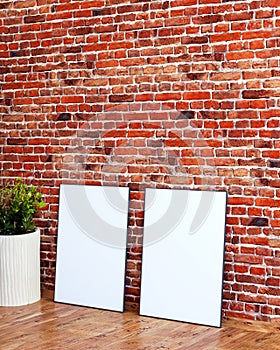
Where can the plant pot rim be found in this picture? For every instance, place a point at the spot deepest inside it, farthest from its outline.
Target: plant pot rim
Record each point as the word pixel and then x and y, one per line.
pixel 21 234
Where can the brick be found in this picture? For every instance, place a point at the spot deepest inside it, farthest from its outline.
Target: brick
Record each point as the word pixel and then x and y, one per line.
pixel 257 34
pixel 225 76
pixel 178 3
pixel 24 4
pixel 238 16
pixel 244 55
pixel 225 37
pixel 196 95
pixel 34 19
pixel 121 98
pixel 179 21
pixel 254 94
pixel 267 202
pixel 195 39
pixel 207 19
pixel 271 3
pixel 252 298
pixel 17 141
pixel 241 268
pixel 168 96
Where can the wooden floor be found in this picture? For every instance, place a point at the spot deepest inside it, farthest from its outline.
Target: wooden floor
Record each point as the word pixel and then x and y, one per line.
pixel 48 325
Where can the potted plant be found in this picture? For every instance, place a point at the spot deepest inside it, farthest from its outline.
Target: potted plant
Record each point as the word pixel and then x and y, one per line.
pixel 19 244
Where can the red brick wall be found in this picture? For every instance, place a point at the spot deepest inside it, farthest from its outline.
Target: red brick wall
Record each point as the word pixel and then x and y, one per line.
pixel 178 94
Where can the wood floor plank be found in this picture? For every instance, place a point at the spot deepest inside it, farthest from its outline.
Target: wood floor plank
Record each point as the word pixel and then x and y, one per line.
pixel 53 326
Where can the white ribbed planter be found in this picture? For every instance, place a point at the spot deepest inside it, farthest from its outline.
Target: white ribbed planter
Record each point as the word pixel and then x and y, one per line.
pixel 20 269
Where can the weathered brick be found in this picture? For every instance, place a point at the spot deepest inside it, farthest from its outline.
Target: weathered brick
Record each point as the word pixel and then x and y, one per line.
pixel 255 94
pixel 121 98
pixel 34 19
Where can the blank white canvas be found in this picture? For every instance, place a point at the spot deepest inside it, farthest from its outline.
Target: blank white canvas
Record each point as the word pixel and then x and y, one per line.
pixel 183 255
pixel 91 246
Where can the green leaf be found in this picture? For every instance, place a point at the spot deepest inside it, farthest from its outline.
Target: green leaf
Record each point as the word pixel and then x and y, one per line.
pixel 18 206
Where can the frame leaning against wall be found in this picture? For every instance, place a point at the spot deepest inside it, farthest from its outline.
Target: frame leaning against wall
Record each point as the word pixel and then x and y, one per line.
pixel 183 255
pixel 91 246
